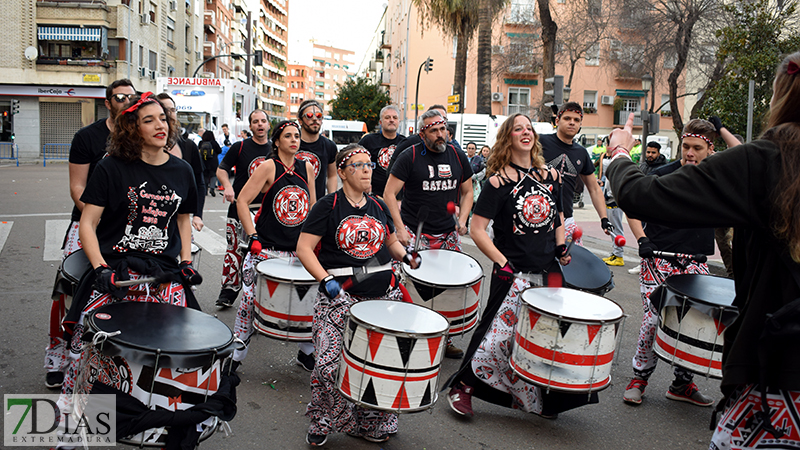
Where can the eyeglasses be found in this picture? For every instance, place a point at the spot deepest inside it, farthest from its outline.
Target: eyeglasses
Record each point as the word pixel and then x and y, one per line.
pixel 310 115
pixel 121 98
pixel 361 165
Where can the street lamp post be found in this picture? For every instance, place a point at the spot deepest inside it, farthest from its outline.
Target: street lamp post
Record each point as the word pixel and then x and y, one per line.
pixel 647 84
pixel 405 63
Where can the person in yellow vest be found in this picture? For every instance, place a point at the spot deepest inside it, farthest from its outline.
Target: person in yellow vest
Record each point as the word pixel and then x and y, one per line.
pixel 596 151
pixel 636 151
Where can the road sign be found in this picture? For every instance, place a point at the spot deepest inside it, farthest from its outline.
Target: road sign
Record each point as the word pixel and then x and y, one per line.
pixel 453 98
pixel 452 108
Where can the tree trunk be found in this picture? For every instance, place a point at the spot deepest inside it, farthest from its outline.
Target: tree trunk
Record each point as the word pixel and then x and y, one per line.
pixel 683 41
pixel 484 102
pixel 460 77
pixel 549 30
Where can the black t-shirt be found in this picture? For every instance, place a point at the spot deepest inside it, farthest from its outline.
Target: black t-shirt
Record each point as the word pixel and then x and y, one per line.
pixel 142 203
pixel 525 217
pixel 284 208
pixel 353 237
pixel 88 147
pixel 431 179
pixel 191 154
pixel 244 157
pixel 570 160
pixel 381 150
pixel 319 153
pixel 684 240
pixel 404 144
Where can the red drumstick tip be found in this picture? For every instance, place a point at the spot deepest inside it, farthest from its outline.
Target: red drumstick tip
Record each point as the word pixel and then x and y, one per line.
pixel 620 241
pixel 577 234
pixel 451 208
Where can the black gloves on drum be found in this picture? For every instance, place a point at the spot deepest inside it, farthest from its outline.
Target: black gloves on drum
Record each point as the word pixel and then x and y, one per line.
pixel 189 275
pixel 606 225
pixel 330 287
pixel 646 248
pixel 414 256
pixel 105 277
pixel 561 250
pixel 504 273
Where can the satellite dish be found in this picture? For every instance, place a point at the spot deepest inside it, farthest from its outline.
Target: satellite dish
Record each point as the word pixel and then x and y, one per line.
pixel 31 53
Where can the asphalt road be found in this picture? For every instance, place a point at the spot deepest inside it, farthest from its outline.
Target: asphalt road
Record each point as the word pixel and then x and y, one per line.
pixel 273 418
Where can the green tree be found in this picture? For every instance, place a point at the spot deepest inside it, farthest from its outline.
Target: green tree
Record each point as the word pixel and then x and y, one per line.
pixel 359 99
pixel 751 48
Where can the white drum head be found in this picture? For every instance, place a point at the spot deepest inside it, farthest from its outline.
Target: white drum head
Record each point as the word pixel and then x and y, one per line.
pixel 572 304
pixel 445 268
pixel 279 269
pixel 399 317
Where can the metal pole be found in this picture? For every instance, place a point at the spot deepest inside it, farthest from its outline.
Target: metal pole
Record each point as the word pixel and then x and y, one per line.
pixel 416 96
pixel 247 47
pixel 645 122
pixel 405 63
pixel 751 87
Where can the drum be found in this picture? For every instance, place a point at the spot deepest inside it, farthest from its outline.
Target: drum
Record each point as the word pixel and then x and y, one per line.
pixel 565 339
pixel 195 254
pixel 449 283
pixel 391 356
pixel 167 357
pixel 693 313
pixel 72 269
pixel 285 295
pixel 586 272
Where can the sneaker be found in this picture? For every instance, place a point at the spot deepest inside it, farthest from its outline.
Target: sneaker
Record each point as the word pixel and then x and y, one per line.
pixel 615 261
pixel 316 440
pixel 382 438
pixel 635 270
pixel 54 379
pixel 608 258
pixel 453 352
pixel 688 393
pixel 635 391
pixel 460 400
pixel 226 298
pixel 305 361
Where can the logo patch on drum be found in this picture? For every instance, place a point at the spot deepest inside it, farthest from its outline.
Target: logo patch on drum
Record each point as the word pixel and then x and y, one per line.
pixel 254 165
pixel 304 155
pixel 385 155
pixel 102 316
pixel 290 206
pixel 360 236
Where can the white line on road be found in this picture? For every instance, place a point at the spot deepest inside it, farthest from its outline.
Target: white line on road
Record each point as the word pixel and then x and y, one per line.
pixel 210 241
pixel 54 231
pixel 34 215
pixel 5 228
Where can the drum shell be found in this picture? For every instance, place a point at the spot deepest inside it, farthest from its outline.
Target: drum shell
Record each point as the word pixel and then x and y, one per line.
pixel 563 353
pixel 70 273
pixel 458 301
pixel 284 307
pixel 389 370
pixel 586 272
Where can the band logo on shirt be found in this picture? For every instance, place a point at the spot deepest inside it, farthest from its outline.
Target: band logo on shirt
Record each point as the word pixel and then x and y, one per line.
pixel 254 165
pixel 360 236
pixel 385 155
pixel 149 215
pixel 304 155
pixel 290 206
pixel 534 208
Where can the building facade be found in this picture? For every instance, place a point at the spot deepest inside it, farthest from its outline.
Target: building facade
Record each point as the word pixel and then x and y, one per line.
pixel 300 83
pixel 332 66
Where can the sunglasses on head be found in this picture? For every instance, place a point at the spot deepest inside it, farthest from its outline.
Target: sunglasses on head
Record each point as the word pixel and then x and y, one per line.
pixel 121 98
pixel 310 115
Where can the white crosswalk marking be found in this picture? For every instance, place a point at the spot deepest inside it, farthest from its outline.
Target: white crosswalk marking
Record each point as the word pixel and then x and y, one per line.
pixel 5 228
pixel 54 231
pixel 210 241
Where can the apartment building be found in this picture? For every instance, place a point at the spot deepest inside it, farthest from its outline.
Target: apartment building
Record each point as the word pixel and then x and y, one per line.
pixel 331 66
pixel 300 83
pixel 270 34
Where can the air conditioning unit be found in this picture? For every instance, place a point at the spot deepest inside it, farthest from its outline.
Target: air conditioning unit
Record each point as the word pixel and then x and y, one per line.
pixel 152 74
pixel 145 18
pixel 173 5
pixel 497 96
pixel 606 99
pixel 198 56
pixel 142 72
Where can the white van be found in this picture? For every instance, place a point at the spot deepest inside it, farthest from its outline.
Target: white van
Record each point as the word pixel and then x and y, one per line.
pixel 344 132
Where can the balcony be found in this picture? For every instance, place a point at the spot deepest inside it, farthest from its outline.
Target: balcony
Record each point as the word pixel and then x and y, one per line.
pixel 620 117
pixel 210 21
pixel 385 43
pixel 386 78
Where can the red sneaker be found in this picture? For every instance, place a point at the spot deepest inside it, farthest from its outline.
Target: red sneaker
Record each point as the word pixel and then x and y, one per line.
pixel 460 399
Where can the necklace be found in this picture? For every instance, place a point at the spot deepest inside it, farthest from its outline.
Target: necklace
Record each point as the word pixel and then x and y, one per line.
pixel 355 203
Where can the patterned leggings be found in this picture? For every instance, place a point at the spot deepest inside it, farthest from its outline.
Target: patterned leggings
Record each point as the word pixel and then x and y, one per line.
pixel 740 428
pixel 55 354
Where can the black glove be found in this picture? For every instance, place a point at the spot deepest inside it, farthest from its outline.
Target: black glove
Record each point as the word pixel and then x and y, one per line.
pixel 408 257
pixel 606 225
pixel 505 273
pixel 330 287
pixel 561 250
pixel 646 248
pixel 105 277
pixel 716 122
pixel 254 246
pixel 190 276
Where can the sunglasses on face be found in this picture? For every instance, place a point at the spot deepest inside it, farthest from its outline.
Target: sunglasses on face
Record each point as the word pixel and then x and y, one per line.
pixel 310 115
pixel 121 98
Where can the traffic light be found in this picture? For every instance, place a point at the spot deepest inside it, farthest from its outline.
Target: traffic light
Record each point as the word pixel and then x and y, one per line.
pixel 259 58
pixel 14 106
pixel 558 89
pixel 428 64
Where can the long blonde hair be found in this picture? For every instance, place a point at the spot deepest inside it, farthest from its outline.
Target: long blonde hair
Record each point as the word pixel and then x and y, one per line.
pixel 501 151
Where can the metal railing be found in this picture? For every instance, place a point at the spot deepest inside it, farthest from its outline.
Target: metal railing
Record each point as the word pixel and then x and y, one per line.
pixel 9 150
pixel 54 151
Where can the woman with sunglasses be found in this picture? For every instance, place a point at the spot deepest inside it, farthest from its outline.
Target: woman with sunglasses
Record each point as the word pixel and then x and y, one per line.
pixel 284 182
pixel 136 222
pixel 343 252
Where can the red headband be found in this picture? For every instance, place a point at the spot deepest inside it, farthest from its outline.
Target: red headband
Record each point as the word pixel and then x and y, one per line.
pixel 792 68
pixel 145 98
pixel 432 124
pixel 352 153
pixel 685 135
pixel 565 110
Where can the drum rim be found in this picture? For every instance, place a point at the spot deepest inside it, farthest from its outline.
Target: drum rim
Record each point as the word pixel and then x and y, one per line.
pixel 68 275
pixel 383 330
pixel 700 300
pixel 585 288
pixel 310 281
pixel 583 321
pixel 408 273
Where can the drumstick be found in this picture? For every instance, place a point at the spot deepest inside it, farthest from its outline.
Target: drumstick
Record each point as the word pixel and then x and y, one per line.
pixel 126 283
pixel 619 240
pixel 575 236
pixel 697 258
pixel 422 216
pixel 451 209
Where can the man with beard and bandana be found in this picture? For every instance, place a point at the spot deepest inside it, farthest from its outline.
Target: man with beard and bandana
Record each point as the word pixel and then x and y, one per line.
pixel 432 174
pixel 381 146
pixel 315 148
pixel 243 158
pixel 87 149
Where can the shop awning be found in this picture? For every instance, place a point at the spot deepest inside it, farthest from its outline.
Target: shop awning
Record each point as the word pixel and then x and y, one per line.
pixel 69 34
pixel 630 93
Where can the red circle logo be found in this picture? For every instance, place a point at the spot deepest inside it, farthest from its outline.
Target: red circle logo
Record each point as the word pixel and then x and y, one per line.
pixel 385 155
pixel 535 209
pixel 254 165
pixel 307 156
pixel 360 236
pixel 102 316
pixel 291 206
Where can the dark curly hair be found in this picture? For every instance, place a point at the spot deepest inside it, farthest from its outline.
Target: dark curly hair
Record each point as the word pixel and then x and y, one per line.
pixel 126 142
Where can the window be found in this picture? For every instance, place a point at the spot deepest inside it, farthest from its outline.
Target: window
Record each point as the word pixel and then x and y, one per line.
pixel 152 11
pixel 630 105
pixel 113 49
pixel 518 100
pixel 153 61
pixel 670 59
pixel 593 55
pixel 171 32
pixel 141 56
pixel 665 102
pixel 521 11
pixel 590 100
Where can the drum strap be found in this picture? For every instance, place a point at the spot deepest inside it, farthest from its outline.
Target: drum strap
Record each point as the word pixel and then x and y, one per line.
pixel 350 271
